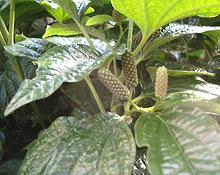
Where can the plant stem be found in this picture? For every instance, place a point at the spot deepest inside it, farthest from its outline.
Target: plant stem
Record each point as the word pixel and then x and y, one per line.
pixel 83 30
pixel 2 39
pixel 95 94
pixel 130 33
pixel 11 23
pixel 140 109
pixel 37 112
pixel 3 29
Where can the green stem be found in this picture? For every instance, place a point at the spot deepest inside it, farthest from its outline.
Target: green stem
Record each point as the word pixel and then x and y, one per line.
pixel 95 94
pixel 140 109
pixel 130 33
pixel 2 40
pixel 11 23
pixel 83 30
pixel 4 29
pixel 37 112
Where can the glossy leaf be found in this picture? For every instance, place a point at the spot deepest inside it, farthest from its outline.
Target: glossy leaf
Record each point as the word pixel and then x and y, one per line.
pixel 62 30
pixel 59 64
pixel 100 46
pixel 31 48
pixel 175 30
pixel 182 141
pixel 80 145
pixel 150 15
pixel 99 19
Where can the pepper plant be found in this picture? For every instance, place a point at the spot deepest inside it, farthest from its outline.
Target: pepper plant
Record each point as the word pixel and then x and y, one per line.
pixel 143 100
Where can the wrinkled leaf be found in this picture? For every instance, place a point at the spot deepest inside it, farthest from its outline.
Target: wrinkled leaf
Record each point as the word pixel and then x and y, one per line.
pixel 150 15
pixel 183 141
pixel 99 19
pixel 59 64
pixel 10 167
pixel 31 48
pixel 101 46
pixel 82 145
pixel 62 30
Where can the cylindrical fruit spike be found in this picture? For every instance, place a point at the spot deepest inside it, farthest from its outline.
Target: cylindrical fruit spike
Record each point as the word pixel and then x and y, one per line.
pixel 117 16
pixel 113 84
pixel 161 82
pixel 130 69
pixel 136 39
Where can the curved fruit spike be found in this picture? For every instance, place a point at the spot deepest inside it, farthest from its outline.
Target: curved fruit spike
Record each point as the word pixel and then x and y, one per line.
pixel 161 82
pixel 130 69
pixel 113 84
pixel 136 39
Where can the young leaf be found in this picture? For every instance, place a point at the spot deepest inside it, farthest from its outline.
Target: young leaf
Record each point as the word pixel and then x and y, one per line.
pixel 99 19
pixel 80 145
pixel 62 30
pixel 182 141
pixel 150 15
pixel 59 64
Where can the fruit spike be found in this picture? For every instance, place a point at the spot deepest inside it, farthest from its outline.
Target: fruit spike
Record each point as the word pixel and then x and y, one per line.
pixel 130 69
pixel 113 84
pixel 161 82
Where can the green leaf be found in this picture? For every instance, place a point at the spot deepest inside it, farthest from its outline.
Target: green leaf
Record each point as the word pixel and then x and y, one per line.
pixel 182 141
pixel 9 84
pixel 99 19
pixel 84 98
pixel 62 30
pixel 59 64
pixel 31 48
pixel 175 30
pixel 55 10
pixel 181 73
pixel 10 167
pixel 100 46
pixel 150 15
pixel 82 145
pixel 74 8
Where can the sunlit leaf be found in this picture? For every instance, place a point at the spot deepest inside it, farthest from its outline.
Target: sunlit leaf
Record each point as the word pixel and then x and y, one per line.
pixel 182 141
pixel 99 19
pixel 59 64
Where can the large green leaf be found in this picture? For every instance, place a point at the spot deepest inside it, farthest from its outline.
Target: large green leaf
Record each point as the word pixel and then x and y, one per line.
pixel 182 141
pixel 59 64
pixel 82 145
pixel 31 48
pixel 150 15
